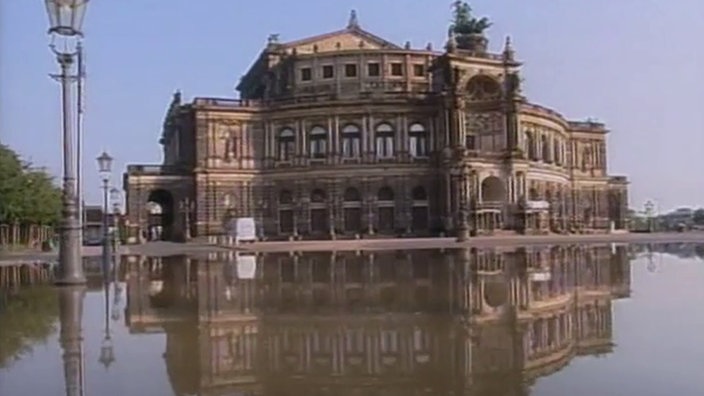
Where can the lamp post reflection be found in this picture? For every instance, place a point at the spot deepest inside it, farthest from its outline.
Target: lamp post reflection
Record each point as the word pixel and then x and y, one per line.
pixel 107 355
pixel 117 292
pixel 71 338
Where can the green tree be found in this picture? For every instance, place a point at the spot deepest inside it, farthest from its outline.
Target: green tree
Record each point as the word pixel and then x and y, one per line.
pixel 698 216
pixel 28 195
pixel 28 318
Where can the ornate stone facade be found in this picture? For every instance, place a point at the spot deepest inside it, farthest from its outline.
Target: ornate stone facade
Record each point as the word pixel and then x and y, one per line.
pixel 346 134
pixel 466 321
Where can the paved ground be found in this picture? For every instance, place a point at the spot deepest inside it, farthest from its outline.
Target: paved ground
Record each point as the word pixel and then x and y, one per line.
pixel 169 248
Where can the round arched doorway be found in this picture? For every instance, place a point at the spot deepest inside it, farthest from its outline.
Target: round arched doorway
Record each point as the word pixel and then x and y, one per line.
pixel 160 210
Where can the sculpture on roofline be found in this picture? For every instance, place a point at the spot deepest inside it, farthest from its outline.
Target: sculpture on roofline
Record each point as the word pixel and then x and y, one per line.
pixel 467 29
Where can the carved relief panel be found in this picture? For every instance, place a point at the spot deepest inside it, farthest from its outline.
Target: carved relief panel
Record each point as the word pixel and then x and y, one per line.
pixel 487 131
pixel 224 142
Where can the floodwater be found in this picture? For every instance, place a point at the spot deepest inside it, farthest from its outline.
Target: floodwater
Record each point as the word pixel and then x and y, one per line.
pixel 579 320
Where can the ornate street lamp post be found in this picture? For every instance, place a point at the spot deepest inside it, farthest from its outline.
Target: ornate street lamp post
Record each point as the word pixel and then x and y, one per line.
pixel 115 200
pixel 65 21
pixel 105 167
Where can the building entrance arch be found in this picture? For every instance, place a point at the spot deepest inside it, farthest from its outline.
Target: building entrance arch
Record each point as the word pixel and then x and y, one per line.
pixel 493 190
pixel 160 211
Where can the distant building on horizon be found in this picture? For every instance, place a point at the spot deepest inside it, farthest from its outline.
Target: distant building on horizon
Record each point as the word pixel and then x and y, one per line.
pixel 346 134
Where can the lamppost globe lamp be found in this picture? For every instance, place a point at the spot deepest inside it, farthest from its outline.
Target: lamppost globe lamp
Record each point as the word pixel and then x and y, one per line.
pixel 107 353
pixel 66 16
pixel 104 164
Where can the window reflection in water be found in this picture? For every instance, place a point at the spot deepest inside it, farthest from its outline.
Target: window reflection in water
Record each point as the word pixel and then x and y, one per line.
pixel 380 322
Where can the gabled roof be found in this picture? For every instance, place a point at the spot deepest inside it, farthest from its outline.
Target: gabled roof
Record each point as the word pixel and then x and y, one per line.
pixel 348 38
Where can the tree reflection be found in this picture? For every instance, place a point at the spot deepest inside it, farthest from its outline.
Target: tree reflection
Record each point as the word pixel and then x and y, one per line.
pixel 28 317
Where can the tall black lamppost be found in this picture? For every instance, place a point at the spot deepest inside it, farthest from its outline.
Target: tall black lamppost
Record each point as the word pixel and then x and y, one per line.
pixel 65 22
pixel 105 167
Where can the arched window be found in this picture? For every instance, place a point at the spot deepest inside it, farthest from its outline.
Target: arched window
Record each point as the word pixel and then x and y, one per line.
pixel 556 154
pixel 384 141
pixel 318 142
pixel 351 141
pixel 286 144
pixel 418 140
pixel 545 148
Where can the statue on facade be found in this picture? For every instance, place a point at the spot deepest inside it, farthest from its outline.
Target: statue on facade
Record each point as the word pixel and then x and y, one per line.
pixel 468 30
pixel 272 39
pixel 353 22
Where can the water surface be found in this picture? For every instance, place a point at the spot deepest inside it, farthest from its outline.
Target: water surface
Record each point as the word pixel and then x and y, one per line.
pixel 587 320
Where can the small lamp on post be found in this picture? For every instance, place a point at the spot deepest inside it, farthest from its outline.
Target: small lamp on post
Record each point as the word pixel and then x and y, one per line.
pixel 105 167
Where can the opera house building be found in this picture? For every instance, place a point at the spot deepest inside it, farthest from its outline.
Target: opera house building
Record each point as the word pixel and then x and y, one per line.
pixel 346 134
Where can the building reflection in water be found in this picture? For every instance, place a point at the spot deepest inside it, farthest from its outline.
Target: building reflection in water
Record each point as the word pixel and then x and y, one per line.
pixel 468 321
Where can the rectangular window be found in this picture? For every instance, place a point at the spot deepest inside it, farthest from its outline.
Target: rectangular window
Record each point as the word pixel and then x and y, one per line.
pixel 328 71
pixel 306 74
pixel 419 70
pixel 373 69
pixel 350 147
pixel 351 70
pixel 418 146
pixel 385 146
pixel 287 150
pixel 397 69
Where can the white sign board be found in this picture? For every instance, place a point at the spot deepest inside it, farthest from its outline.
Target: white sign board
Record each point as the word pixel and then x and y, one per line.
pixel 538 205
pixel 541 276
pixel 246 266
pixel 243 229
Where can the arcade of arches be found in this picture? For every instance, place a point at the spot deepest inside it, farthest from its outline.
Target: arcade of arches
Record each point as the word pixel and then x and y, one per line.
pixel 352 213
pixel 325 208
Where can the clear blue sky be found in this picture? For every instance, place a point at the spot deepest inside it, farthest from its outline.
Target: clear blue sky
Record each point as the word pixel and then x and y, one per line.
pixel 637 65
